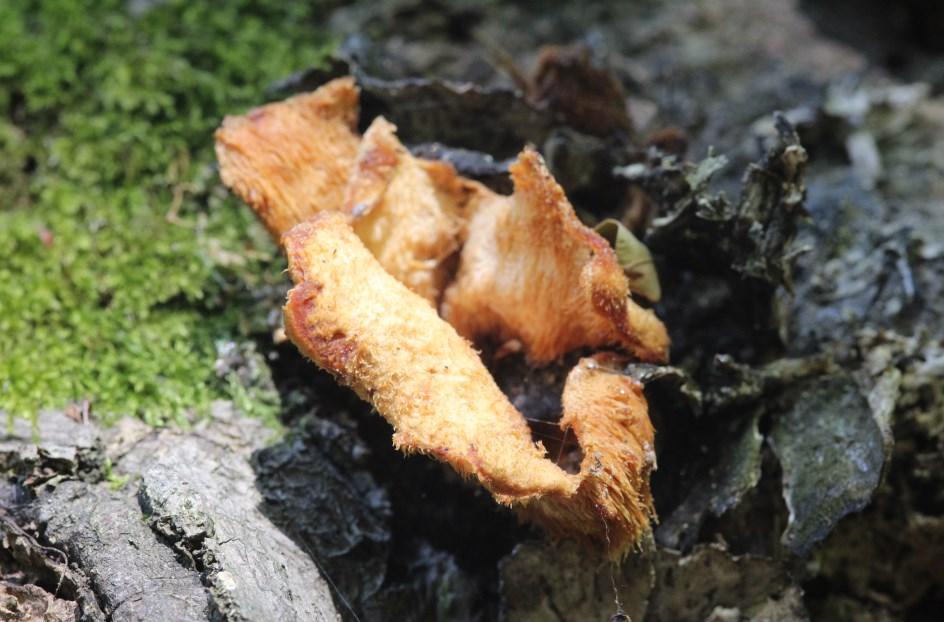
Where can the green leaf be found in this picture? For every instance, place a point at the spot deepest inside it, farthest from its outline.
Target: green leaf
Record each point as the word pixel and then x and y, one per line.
pixel 634 258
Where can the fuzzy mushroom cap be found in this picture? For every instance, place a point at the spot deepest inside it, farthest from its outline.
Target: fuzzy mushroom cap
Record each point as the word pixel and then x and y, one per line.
pixel 291 160
pixel 531 271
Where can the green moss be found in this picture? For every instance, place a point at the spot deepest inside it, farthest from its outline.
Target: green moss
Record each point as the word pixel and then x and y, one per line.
pixel 123 262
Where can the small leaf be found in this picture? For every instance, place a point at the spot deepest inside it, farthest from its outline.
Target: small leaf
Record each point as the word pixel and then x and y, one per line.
pixel 634 258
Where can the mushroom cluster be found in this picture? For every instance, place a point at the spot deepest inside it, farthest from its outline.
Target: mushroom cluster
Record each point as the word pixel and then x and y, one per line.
pixel 400 265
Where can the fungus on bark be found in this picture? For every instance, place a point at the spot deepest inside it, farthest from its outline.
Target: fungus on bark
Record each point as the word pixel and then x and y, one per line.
pixel 368 230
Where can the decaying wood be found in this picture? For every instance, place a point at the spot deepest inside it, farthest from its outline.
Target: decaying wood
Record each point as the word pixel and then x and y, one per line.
pixel 184 539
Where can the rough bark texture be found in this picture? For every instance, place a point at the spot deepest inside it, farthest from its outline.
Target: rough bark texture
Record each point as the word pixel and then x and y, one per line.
pixel 134 574
pixel 202 497
pixel 135 525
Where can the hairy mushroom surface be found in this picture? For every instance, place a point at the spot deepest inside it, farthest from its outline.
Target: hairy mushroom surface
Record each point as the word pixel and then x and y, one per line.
pixel 296 158
pixel 292 159
pixel 356 321
pixel 531 271
pixel 409 213
pixel 609 416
